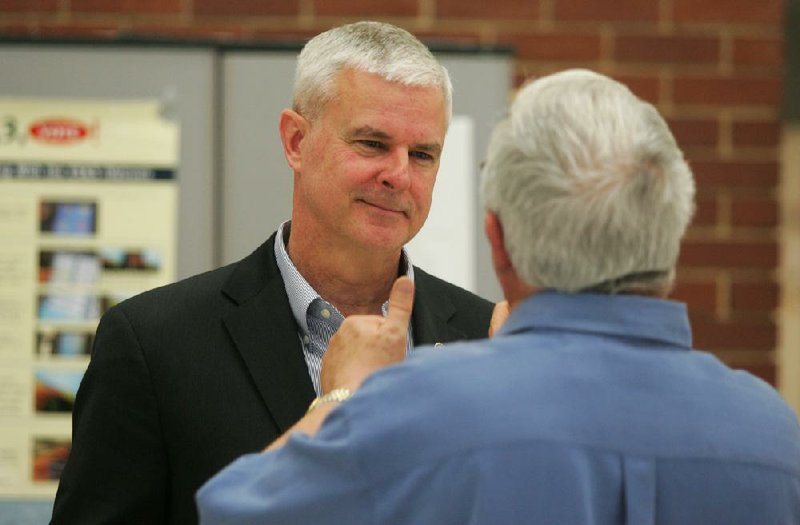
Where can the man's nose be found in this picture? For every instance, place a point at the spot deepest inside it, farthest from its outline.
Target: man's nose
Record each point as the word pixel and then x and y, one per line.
pixel 395 174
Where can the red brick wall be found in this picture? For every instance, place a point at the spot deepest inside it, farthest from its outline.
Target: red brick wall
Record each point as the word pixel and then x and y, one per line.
pixel 713 67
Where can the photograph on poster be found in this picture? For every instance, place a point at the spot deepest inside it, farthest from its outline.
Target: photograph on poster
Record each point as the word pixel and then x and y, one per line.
pixel 56 389
pixel 114 259
pixel 64 344
pixel 69 307
pixel 49 457
pixel 68 267
pixel 66 217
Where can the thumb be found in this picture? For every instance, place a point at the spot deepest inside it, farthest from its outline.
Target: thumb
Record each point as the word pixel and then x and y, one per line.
pixel 401 302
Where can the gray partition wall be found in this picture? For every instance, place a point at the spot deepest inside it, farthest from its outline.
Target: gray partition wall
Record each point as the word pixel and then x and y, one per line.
pixel 257 193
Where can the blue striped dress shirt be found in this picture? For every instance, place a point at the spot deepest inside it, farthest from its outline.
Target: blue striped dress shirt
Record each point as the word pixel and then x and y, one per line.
pixel 317 319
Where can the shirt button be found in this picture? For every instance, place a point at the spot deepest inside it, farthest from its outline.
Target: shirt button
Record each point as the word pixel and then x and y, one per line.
pixel 306 339
pixel 325 313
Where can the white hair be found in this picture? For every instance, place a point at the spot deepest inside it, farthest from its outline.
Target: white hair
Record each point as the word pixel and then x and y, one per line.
pixel 589 185
pixel 374 47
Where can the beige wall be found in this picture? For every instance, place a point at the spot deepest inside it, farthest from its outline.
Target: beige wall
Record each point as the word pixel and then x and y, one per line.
pixel 789 313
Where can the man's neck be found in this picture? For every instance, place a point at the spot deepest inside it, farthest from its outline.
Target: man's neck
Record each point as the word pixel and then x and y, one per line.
pixel 355 281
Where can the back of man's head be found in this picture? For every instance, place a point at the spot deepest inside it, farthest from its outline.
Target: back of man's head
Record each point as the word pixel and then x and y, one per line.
pixel 590 187
pixel 374 47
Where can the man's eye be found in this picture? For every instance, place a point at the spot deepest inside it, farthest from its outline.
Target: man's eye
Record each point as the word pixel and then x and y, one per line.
pixel 421 155
pixel 372 144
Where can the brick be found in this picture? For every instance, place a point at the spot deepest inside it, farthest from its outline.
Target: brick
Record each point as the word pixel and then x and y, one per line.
pixel 196 31
pixel 729 174
pixel 487 10
pixel 758 51
pixel 78 30
pixel 645 87
pixel 762 296
pixel 247 7
pixel 434 38
pixel 764 134
pixel 132 6
pixel 729 254
pixel 715 91
pixel 522 76
pixel 739 334
pixel 555 46
pixel 694 132
pixel 16 30
pixel 365 8
pixel 699 296
pixel 705 213
pixel 766 371
pixel 666 49
pixel 756 362
pixel 606 10
pixel 300 36
pixel 106 6
pixel 155 6
pixel 754 212
pixel 33 6
pixel 759 12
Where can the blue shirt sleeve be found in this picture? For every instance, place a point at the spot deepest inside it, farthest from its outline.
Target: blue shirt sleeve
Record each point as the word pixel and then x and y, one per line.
pixel 307 481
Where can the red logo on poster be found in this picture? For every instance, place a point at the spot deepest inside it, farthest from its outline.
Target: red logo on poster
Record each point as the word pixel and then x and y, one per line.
pixel 59 131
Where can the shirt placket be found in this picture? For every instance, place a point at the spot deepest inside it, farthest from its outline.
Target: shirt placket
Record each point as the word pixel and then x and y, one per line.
pixel 323 321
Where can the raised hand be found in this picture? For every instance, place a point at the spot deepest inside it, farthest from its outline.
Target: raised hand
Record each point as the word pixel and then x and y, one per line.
pixel 365 343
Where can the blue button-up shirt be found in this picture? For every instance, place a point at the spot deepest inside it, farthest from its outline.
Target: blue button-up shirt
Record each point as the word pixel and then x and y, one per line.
pixel 316 318
pixel 584 409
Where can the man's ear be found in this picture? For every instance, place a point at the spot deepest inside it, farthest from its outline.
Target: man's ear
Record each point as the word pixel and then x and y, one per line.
pixel 293 128
pixel 514 288
pixel 494 233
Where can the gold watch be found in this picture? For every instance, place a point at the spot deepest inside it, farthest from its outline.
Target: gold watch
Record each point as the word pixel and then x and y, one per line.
pixel 337 394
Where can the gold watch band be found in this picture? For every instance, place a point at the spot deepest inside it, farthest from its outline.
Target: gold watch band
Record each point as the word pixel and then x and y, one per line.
pixel 337 394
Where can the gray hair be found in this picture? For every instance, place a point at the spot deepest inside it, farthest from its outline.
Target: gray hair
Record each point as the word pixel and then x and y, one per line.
pixel 590 187
pixel 374 47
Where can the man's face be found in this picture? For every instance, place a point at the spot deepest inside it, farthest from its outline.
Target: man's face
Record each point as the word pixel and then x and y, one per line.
pixel 369 162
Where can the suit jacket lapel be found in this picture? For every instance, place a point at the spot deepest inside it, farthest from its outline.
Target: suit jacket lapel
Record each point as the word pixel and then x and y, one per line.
pixel 264 332
pixel 431 315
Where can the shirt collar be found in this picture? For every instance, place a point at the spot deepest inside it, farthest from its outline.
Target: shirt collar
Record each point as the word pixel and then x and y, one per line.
pixel 300 293
pixel 620 315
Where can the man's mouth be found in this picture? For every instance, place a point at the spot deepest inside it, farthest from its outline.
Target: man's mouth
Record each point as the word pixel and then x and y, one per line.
pixel 384 206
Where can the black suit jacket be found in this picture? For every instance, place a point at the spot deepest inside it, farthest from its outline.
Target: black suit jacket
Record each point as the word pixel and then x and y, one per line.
pixel 187 377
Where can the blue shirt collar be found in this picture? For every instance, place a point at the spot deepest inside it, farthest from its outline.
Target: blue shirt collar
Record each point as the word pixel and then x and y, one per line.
pixel 620 315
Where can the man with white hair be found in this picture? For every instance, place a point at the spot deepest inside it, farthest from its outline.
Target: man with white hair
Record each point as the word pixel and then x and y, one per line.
pixel 186 378
pixel 589 406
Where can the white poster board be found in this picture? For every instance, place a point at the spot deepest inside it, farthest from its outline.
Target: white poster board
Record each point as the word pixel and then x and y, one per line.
pixel 445 246
pixel 87 218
